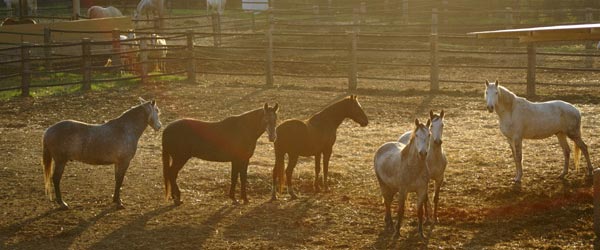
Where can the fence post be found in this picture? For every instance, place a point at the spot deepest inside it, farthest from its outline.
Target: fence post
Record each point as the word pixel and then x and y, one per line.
pixel 47 49
pixel 25 69
pixel 216 28
pixel 191 66
pixel 269 59
pixel 76 9
pixel 363 12
pixel 86 53
pixel 353 75
pixel 433 42
pixel 531 69
pixel 405 11
pixel 116 47
pixel 508 16
pixel 445 10
pixel 597 208
pixel 143 61
pixel 589 61
pixel 253 21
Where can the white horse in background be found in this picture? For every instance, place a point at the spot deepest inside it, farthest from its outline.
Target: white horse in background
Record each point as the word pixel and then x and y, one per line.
pixel 436 157
pixel 31 5
pixel 402 168
pixel 521 119
pixel 216 5
pixel 100 12
pixel 146 6
pixel 159 52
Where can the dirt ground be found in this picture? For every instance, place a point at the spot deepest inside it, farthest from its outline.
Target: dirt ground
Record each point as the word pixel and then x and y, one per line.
pixel 480 207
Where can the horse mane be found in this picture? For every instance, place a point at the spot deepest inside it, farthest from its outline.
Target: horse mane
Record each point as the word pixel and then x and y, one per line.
pixel 412 138
pixel 506 97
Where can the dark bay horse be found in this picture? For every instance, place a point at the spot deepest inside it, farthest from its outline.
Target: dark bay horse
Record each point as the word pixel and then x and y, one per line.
pixel 312 137
pixel 230 140
pixel 114 142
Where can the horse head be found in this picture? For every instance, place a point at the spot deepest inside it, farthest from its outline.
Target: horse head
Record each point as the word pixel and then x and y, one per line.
pixel 491 94
pixel 152 111
pixel 270 120
pixel 356 113
pixel 436 127
pixel 420 138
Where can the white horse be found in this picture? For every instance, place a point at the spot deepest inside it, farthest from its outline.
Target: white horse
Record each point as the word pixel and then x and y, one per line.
pixel 436 158
pixel 521 119
pixel 31 5
pixel 159 52
pixel 402 169
pixel 146 6
pixel 216 5
pixel 100 12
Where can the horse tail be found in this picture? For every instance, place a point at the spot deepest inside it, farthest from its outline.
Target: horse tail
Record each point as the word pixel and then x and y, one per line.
pixel 576 156
pixel 166 158
pixel 47 163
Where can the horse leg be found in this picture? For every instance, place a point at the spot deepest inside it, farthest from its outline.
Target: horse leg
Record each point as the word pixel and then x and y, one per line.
pixel 317 171
pixel 388 197
pixel 401 201
pixel 243 170
pixel 326 157
pixel 235 172
pixel 421 201
pixel 564 144
pixel 518 154
pixel 59 167
pixel 176 166
pixel 584 149
pixel 279 165
pixel 436 198
pixel 292 161
pixel 120 169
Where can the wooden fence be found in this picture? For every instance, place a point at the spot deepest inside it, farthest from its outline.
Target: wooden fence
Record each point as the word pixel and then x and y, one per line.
pixel 265 39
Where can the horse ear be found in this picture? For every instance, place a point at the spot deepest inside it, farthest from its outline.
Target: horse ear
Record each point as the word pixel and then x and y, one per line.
pixel 428 123
pixel 497 83
pixel 442 114
pixel 266 106
pixel 276 107
pixel 430 114
pixel 417 122
pixel 141 100
pixel 487 83
pixel 152 102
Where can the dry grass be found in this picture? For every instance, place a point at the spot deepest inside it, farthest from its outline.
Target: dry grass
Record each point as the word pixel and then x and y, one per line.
pixel 480 208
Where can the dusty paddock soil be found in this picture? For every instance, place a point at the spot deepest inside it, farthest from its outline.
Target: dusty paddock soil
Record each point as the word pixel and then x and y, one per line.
pixel 480 208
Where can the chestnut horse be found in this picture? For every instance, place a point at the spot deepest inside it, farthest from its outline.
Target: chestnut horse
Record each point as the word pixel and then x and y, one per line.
pixel 312 137
pixel 230 140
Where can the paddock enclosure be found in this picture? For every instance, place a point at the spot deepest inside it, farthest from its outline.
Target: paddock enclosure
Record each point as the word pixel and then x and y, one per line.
pixel 480 208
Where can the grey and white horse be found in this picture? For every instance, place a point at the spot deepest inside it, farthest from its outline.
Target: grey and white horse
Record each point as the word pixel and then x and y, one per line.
pixel 114 142
pixel 401 168
pixel 521 119
pixel 436 158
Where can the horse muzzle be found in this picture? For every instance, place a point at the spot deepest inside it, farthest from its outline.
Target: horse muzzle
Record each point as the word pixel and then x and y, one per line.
pixel 438 141
pixel 272 137
pixel 422 155
pixel 490 109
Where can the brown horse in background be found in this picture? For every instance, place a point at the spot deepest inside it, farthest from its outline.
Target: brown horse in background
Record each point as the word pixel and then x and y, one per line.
pixel 312 137
pixel 230 140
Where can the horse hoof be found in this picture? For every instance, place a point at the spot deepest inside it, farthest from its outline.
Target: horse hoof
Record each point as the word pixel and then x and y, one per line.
pixel 120 206
pixel 63 205
pixel 293 197
pixel 235 202
pixel 273 198
pixel 562 176
pixel 246 202
pixel 177 202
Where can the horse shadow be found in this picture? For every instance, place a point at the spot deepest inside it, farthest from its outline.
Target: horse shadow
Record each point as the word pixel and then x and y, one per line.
pixel 62 240
pixel 150 238
pixel 387 240
pixel 280 223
